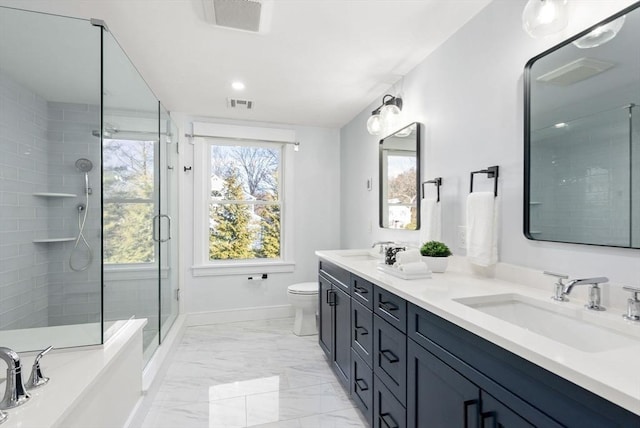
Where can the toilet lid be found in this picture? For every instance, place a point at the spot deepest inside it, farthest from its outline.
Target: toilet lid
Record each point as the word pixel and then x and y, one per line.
pixel 303 288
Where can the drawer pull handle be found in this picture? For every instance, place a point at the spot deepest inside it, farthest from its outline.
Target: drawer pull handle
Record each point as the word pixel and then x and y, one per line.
pixel 489 415
pixel 467 404
pixel 331 297
pixel 360 290
pixel 363 331
pixel 387 306
pixel 362 385
pixel 388 421
pixel 390 356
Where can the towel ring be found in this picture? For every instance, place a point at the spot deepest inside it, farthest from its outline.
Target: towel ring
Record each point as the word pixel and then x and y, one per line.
pixel 438 182
pixel 492 172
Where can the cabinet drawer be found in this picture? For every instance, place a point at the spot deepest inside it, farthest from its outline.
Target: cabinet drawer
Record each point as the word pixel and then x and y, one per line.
pixel 362 386
pixel 388 412
pixel 390 357
pixel 391 308
pixel 362 291
pixel 338 276
pixel 362 332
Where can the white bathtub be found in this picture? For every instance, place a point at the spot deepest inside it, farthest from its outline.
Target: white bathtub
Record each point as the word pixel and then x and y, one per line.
pixel 97 386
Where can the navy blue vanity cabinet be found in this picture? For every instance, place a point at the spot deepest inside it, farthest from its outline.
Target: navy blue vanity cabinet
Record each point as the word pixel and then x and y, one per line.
pixel 513 391
pixel 362 292
pixel 362 331
pixel 437 395
pixel 390 357
pixel 390 308
pixel 362 386
pixel 335 318
pixel 388 412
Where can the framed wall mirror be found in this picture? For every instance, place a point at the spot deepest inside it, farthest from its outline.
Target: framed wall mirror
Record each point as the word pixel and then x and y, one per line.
pixel 582 137
pixel 400 179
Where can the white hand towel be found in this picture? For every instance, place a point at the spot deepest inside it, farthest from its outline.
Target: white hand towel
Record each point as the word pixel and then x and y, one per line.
pixel 482 228
pixel 408 256
pixel 415 267
pixel 430 220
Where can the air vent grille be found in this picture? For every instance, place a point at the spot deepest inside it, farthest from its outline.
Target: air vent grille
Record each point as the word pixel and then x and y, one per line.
pixel 237 14
pixel 239 104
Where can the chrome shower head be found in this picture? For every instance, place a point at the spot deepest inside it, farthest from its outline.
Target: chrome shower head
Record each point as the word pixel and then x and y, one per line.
pixel 84 165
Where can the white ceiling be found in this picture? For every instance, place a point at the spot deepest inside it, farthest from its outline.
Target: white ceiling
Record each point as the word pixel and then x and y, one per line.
pixel 320 63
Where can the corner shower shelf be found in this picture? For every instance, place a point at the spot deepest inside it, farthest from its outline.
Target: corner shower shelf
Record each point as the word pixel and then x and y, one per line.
pixel 46 240
pixel 55 195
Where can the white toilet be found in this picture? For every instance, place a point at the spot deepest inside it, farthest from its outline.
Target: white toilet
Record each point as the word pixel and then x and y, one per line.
pixel 304 298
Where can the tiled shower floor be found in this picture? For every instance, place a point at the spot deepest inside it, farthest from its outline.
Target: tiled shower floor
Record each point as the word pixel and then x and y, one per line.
pixel 250 374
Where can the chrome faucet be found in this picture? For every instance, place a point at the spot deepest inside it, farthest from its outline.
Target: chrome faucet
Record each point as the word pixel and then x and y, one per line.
pixel 633 304
pixel 558 296
pixel 595 293
pixel 382 245
pixel 15 393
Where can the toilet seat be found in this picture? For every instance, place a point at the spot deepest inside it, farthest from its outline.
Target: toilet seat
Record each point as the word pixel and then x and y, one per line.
pixel 303 288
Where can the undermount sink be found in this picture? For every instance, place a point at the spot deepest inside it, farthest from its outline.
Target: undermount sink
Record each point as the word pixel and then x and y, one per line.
pixel 358 254
pixel 569 325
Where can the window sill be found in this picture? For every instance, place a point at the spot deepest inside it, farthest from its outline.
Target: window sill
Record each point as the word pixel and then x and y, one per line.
pixel 239 268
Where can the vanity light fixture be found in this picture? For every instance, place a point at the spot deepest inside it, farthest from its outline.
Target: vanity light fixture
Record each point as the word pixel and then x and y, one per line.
pixel 542 18
pixel 386 116
pixel 601 34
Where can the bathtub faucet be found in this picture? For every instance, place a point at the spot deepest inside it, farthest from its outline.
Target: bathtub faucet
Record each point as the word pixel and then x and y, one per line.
pixel 15 393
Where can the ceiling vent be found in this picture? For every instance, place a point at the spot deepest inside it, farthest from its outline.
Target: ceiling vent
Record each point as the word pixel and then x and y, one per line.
pixel 575 71
pixel 239 104
pixel 245 15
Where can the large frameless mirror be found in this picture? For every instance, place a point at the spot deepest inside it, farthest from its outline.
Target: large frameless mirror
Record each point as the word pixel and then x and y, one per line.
pixel 582 143
pixel 400 179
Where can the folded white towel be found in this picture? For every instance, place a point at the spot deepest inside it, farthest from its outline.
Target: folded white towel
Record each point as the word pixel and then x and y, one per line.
pixel 430 220
pixel 408 256
pixel 482 228
pixel 415 267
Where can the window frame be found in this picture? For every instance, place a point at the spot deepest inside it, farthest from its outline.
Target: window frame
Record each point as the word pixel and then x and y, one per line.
pixel 240 136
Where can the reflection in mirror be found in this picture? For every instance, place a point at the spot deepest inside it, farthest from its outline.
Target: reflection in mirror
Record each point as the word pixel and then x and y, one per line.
pixel 400 178
pixel 581 138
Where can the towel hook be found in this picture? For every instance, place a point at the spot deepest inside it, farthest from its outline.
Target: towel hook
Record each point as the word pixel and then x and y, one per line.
pixel 438 182
pixel 492 172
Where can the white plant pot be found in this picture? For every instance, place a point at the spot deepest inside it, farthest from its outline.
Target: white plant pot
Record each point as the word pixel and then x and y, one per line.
pixel 436 264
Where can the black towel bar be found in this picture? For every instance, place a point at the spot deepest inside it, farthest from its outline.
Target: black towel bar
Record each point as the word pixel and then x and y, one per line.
pixel 438 182
pixel 492 172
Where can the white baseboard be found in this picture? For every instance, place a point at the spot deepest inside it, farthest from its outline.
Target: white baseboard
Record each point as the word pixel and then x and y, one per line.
pixel 236 315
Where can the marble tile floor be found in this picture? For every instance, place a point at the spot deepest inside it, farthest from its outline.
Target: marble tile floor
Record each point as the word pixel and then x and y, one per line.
pixel 249 374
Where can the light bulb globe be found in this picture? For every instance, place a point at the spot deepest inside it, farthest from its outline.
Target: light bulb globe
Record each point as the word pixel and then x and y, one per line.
pixel 600 35
pixel 542 18
pixel 374 126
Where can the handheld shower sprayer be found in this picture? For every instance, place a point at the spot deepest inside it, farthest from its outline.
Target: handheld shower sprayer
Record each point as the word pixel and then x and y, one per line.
pixel 82 165
pixel 85 165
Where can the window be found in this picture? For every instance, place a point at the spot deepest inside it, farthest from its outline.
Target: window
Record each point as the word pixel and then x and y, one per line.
pixel 244 201
pixel 128 201
pixel 243 178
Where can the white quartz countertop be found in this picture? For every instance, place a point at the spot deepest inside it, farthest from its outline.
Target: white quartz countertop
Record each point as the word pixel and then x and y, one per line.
pixel 612 374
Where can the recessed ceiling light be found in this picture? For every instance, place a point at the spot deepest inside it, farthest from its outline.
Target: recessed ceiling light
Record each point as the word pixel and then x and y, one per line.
pixel 237 85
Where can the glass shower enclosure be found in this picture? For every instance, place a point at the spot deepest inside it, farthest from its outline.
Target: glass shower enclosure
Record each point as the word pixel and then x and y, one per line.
pixel 87 188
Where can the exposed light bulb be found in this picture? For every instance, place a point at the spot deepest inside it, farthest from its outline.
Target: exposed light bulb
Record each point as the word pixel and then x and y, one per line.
pixel 544 17
pixel 374 125
pixel 600 35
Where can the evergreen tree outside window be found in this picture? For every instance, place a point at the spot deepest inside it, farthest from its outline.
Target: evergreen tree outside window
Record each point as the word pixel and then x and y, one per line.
pixel 245 206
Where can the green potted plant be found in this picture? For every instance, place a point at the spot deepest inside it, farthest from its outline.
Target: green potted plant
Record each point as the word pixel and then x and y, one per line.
pixel 435 255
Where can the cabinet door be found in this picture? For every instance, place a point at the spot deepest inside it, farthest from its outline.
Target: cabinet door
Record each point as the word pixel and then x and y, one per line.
pixel 497 415
pixel 437 395
pixel 390 357
pixel 362 386
pixel 362 331
pixel 342 335
pixel 325 333
pixel 388 412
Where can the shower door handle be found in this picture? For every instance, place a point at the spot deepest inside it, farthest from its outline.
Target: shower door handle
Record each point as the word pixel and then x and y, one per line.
pixel 155 228
pixel 168 229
